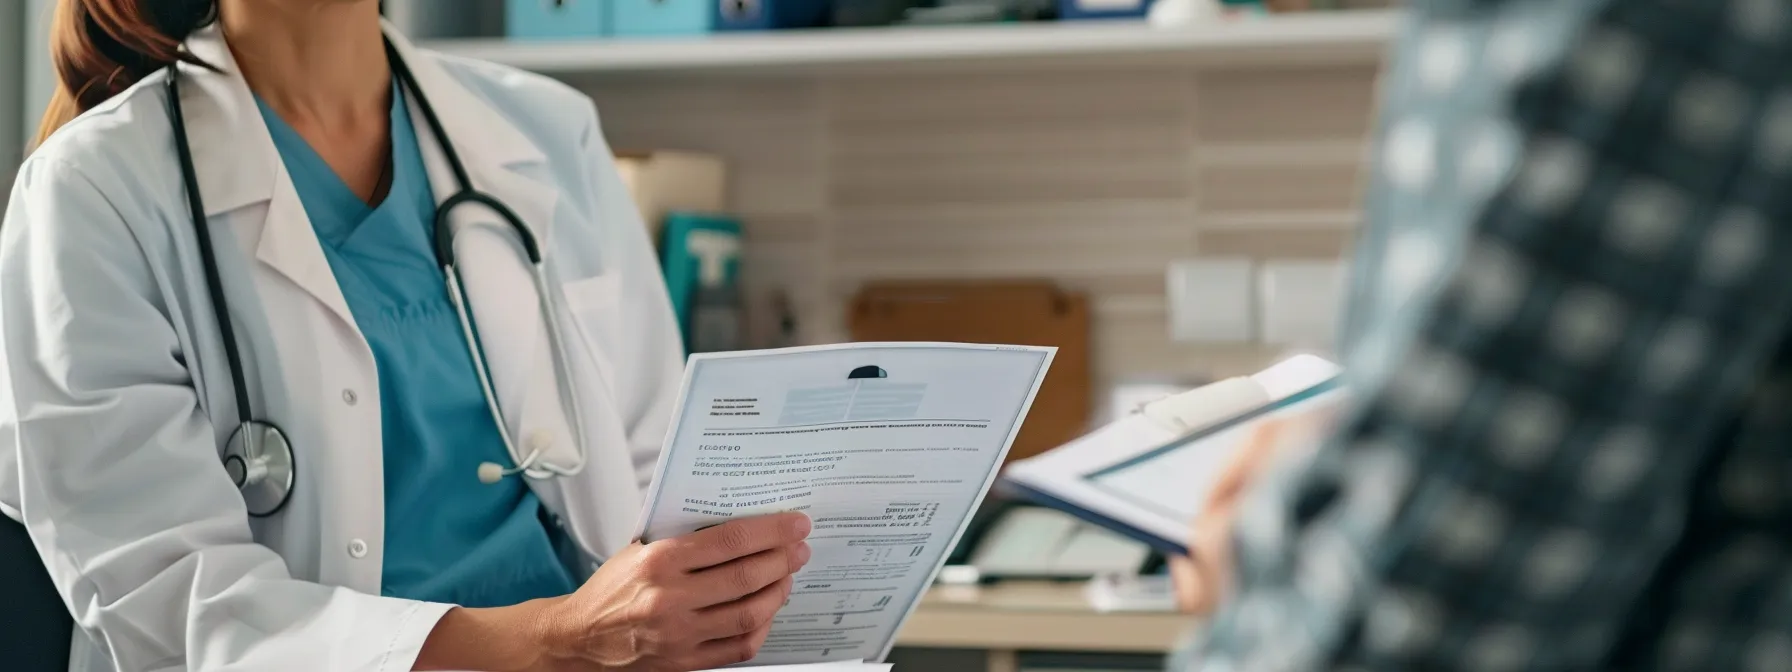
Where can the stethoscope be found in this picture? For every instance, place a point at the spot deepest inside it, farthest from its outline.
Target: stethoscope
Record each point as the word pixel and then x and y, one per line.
pixel 258 457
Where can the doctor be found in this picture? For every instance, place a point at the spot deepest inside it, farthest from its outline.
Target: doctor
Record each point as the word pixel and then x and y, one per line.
pixel 247 370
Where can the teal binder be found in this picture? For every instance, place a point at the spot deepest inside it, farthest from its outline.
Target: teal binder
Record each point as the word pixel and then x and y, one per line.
pixel 700 255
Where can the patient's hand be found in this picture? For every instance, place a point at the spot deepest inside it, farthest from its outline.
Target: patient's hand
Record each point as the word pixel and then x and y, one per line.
pixel 1202 577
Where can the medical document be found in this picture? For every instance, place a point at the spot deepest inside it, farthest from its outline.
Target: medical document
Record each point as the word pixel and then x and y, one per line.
pixel 888 447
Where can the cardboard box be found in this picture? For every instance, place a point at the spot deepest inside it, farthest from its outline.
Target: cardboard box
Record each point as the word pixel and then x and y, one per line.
pixel 664 182
pixel 1018 312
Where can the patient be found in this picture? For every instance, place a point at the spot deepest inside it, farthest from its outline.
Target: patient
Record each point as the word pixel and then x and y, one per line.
pixel 1570 354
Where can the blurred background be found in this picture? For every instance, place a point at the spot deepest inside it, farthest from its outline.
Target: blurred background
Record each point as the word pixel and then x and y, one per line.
pixel 1163 189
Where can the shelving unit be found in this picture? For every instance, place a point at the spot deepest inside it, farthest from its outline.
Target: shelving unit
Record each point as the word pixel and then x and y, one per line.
pixel 1095 154
pixel 1318 38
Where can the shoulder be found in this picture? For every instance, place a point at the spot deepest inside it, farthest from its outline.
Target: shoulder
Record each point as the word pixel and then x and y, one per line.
pixel 124 128
pixel 118 158
pixel 124 147
pixel 91 204
pixel 552 113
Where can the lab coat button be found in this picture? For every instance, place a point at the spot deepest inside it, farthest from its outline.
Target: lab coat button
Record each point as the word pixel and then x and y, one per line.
pixel 357 548
pixel 349 397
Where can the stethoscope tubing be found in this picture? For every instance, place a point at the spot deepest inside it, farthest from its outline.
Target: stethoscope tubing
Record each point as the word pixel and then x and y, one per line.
pixel 251 428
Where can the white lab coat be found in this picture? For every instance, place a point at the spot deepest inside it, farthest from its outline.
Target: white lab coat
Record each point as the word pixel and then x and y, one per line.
pixel 119 399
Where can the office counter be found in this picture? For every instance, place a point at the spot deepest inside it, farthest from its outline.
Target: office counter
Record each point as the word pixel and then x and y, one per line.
pixel 1007 619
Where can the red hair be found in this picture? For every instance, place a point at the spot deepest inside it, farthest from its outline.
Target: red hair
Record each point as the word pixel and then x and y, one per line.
pixel 102 47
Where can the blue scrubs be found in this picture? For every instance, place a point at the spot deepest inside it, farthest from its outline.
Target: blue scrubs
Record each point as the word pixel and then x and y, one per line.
pixel 449 538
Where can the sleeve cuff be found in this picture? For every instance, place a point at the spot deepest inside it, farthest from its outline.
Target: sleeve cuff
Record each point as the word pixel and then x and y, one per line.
pixel 406 643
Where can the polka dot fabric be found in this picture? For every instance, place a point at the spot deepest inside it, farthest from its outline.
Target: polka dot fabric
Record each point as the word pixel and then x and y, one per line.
pixel 1571 440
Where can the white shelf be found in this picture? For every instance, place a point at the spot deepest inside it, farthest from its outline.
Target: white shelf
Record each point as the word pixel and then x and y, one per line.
pixel 1329 37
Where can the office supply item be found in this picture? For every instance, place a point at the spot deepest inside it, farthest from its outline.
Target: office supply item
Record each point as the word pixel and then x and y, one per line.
pixel 1032 542
pixel 1077 10
pixel 887 446
pixel 1023 543
pixel 995 311
pixel 1092 550
pixel 981 11
pixel 1010 540
pixel 700 256
pixel 553 19
pixel 661 18
pixel 1256 7
pixel 1131 592
pixel 958 575
pixel 1179 13
pixel 1145 476
pixel 663 182
pixel 845 13
pixel 770 14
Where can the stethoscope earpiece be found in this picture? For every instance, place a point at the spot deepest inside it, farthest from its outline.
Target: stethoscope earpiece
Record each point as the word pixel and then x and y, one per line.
pixel 492 472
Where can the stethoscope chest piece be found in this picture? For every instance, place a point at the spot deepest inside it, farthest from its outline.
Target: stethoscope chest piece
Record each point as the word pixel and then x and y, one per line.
pixel 258 459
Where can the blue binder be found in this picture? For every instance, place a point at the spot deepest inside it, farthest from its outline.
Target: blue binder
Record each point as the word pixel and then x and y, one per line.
pixel 650 18
pixel 556 19
pixel 770 14
pixel 1076 10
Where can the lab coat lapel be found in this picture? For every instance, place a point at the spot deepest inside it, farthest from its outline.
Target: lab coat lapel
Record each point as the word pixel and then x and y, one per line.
pixel 490 259
pixel 237 165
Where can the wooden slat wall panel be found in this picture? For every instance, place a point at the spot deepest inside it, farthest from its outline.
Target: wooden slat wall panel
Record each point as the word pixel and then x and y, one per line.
pixel 1282 106
pixel 1285 244
pixel 1098 180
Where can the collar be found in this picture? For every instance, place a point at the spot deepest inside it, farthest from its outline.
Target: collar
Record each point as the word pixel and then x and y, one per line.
pixel 234 156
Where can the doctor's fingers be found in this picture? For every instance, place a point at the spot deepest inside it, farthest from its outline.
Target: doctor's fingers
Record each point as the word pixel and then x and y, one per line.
pixel 745 576
pixel 736 538
pixel 743 616
pixel 724 652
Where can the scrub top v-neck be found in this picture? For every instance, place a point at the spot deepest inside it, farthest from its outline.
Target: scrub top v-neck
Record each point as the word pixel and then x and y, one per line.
pixel 449 537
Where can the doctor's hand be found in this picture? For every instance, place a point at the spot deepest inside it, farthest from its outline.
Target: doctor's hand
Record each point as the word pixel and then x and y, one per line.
pixel 695 602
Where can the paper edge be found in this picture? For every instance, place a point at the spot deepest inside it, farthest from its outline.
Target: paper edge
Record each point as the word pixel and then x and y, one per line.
pixel 651 497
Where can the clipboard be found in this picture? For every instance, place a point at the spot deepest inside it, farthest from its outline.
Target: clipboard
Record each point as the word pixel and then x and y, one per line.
pixel 1080 478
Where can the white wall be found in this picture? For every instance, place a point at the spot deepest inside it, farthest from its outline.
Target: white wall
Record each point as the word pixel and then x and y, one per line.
pixel 13 46
pixel 25 81
pixel 40 78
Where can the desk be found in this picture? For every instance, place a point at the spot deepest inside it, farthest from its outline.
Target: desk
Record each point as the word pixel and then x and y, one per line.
pixel 1008 618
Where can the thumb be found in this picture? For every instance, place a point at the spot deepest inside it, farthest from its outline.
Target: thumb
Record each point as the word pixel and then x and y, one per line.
pixel 1185 577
